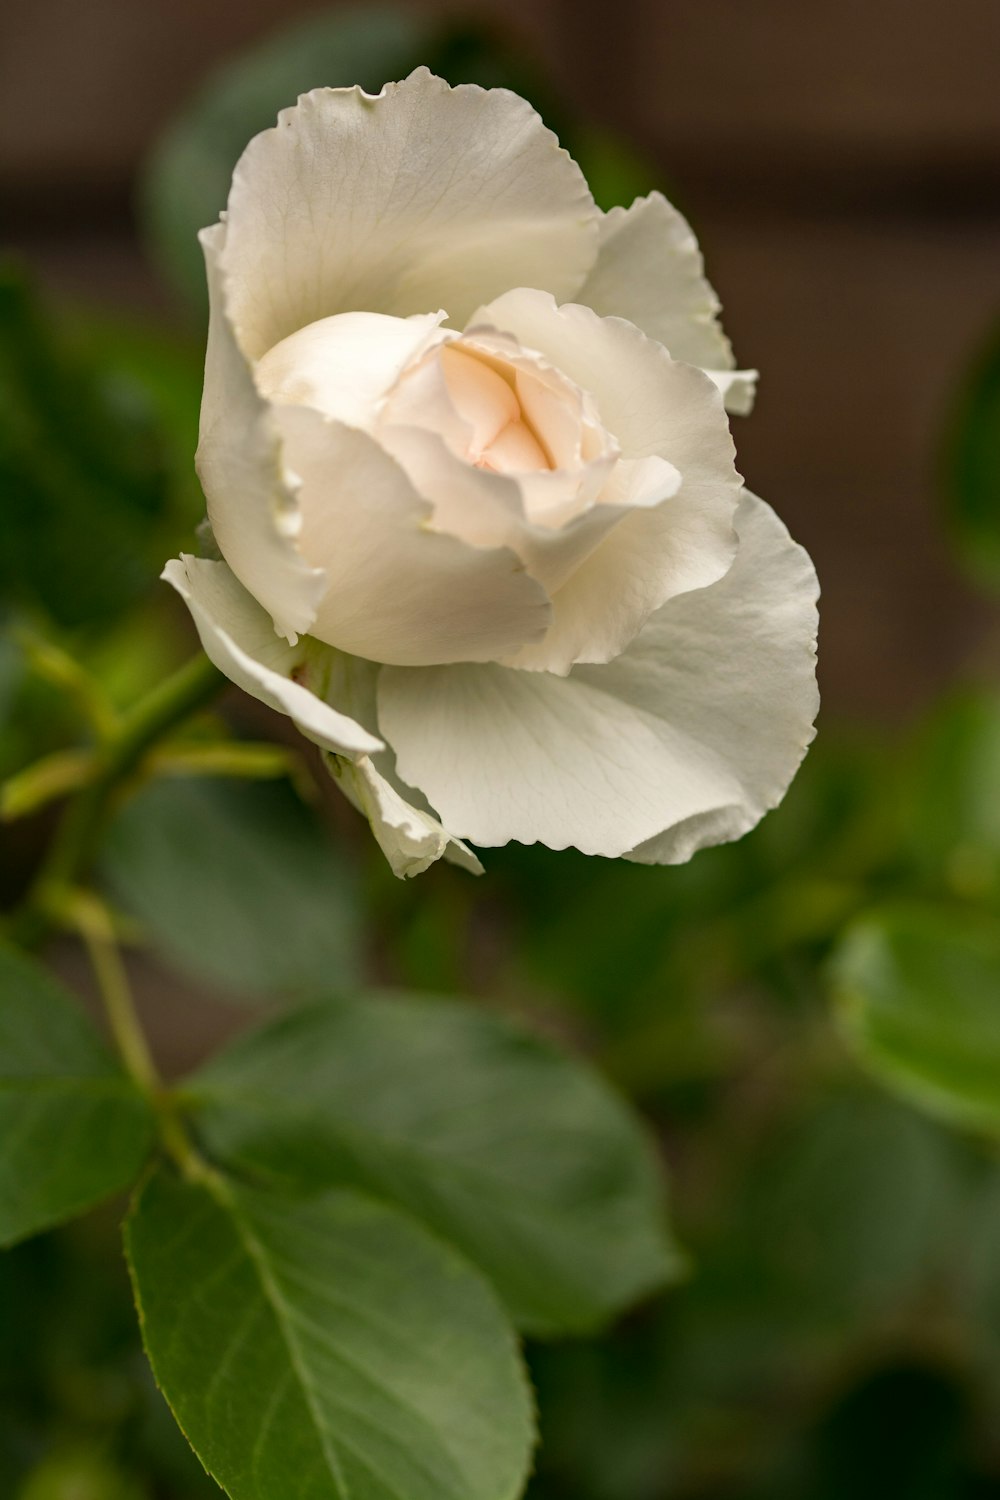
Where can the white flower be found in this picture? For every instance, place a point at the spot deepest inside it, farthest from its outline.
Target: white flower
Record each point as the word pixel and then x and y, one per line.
pixel 466 456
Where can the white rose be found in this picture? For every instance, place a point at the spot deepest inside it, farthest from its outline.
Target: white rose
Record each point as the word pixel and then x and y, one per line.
pixel 466 457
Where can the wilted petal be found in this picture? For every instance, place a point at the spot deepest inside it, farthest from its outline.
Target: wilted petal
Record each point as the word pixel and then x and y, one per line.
pixel 423 196
pixel 239 638
pixel 251 503
pixel 685 740
pixel 649 270
pixel 655 407
pixel 398 591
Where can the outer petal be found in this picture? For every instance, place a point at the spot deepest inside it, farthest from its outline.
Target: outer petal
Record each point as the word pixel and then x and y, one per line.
pixel 424 196
pixel 251 505
pixel 410 838
pixel 649 270
pixel 408 833
pixel 396 590
pixel 299 681
pixel 238 637
pixel 654 406
pixel 685 740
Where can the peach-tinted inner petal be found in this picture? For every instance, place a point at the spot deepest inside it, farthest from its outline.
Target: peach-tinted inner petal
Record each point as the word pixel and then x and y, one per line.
pixel 500 438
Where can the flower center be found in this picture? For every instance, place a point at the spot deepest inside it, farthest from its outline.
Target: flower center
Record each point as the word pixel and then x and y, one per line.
pixel 501 437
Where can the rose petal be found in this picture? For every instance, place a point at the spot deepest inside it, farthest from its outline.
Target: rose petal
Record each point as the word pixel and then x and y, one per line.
pixel 396 590
pixel 343 366
pixel 649 270
pixel 251 505
pixel 655 406
pixel 423 196
pixel 410 838
pixel 239 638
pixel 407 832
pixel 488 509
pixel 685 740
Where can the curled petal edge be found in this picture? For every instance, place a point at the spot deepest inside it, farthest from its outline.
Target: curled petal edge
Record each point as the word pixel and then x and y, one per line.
pixel 411 839
pixel 239 638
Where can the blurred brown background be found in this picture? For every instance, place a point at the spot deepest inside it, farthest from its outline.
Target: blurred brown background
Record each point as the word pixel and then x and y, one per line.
pixel 841 164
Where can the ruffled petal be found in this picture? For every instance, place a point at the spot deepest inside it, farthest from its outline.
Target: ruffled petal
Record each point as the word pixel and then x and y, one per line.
pixel 423 196
pixel 398 591
pixel 685 740
pixel 649 270
pixel 656 407
pixel 238 637
pixel 251 504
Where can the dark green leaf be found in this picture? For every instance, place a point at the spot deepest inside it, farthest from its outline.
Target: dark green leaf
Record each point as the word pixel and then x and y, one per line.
pixel 919 996
pixel 326 1348
pixel 157 375
pixel 519 1155
pixel 73 1128
pixel 846 1215
pixel 237 884
pixel 974 477
pixel 83 473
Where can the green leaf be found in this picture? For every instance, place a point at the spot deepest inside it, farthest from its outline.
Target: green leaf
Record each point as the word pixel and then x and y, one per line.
pixel 918 991
pixel 73 1128
pixel 843 1215
pixel 952 812
pixel 158 373
pixel 187 178
pixel 521 1156
pixel 237 884
pixel 974 469
pixel 83 473
pixel 326 1348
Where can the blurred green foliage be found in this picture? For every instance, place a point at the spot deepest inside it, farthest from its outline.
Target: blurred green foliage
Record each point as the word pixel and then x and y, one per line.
pixel 92 488
pixel 972 473
pixel 839 1333
pixel 238 885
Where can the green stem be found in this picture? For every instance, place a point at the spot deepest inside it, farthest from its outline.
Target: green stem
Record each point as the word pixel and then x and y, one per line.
pixel 93 922
pixel 95 928
pixel 153 717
